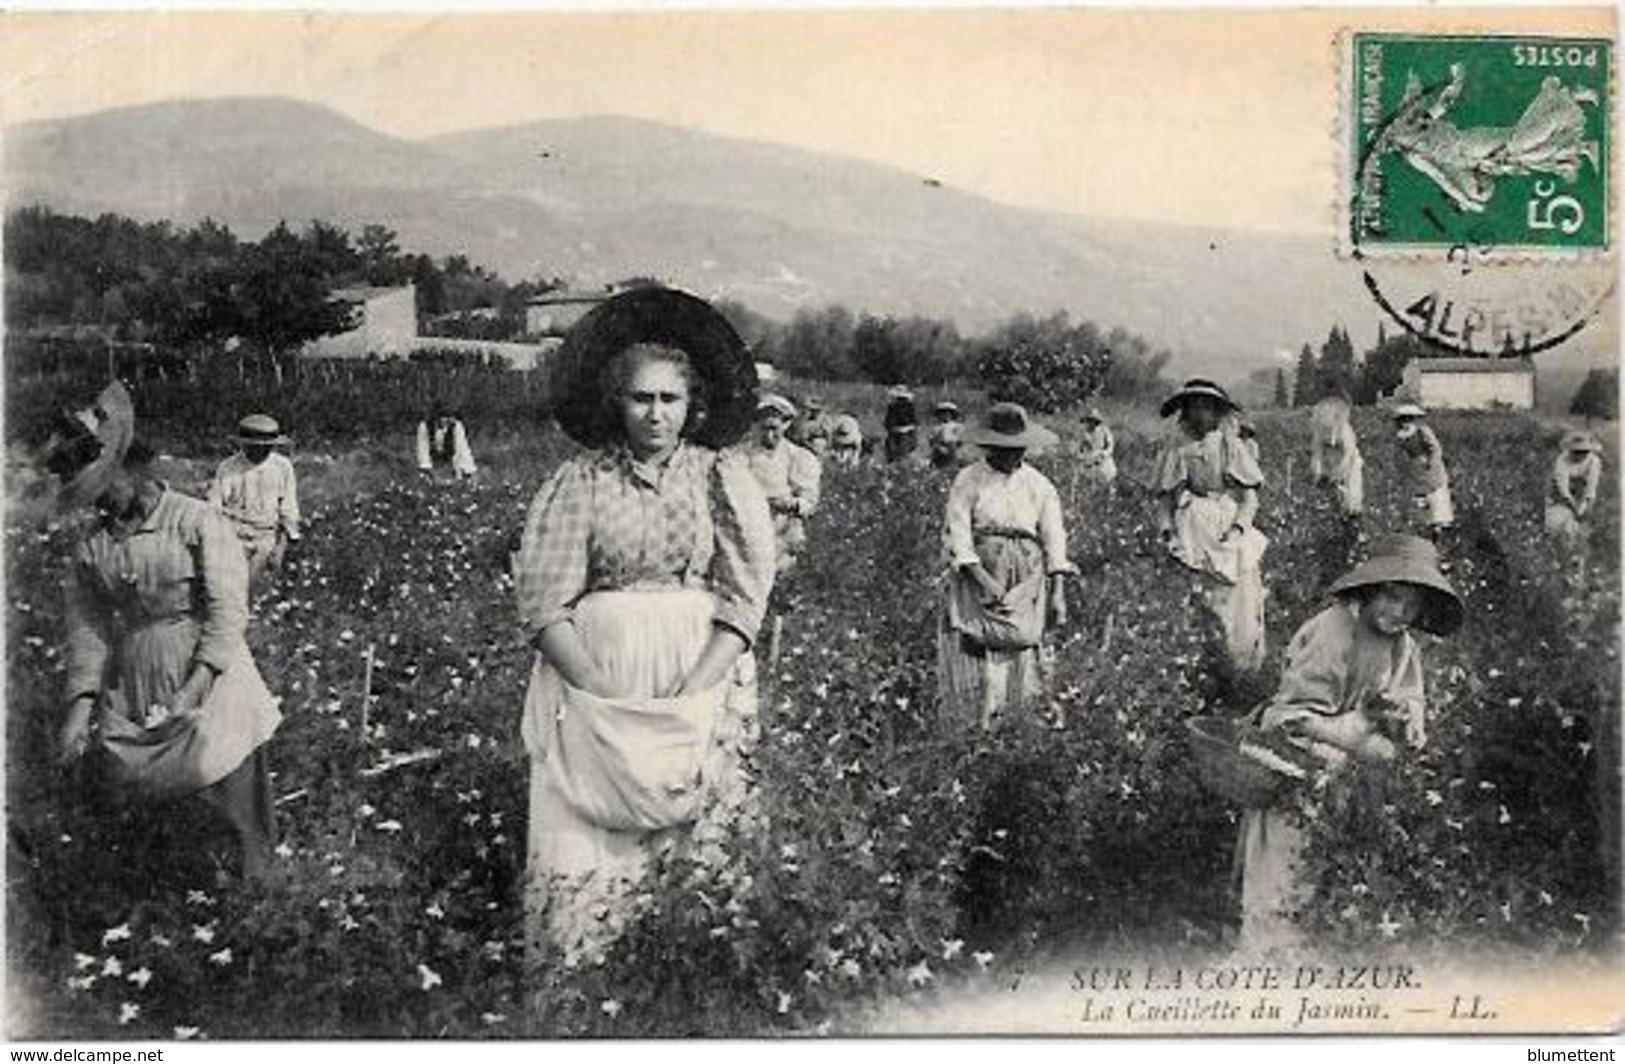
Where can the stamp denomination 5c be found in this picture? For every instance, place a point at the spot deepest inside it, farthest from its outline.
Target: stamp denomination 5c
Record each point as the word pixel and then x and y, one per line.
pixel 1485 144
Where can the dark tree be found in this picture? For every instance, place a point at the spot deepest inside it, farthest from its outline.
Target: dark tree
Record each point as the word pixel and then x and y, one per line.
pixel 1306 382
pixel 1597 398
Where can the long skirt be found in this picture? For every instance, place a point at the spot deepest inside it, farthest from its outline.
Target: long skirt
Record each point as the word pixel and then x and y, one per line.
pixel 1434 509
pixel 1273 888
pixel 976 681
pixel 1562 522
pixel 1232 577
pixel 580 872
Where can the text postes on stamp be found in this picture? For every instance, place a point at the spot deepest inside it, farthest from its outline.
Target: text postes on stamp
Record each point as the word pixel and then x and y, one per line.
pixel 1498 145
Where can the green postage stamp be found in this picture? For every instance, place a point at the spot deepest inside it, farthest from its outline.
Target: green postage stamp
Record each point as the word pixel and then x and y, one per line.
pixel 1485 144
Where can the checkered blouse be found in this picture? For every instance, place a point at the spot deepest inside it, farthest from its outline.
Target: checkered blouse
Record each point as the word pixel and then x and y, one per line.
pixel 606 521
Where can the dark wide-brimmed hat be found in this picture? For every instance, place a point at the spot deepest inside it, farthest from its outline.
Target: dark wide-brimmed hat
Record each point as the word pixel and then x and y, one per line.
pixel 260 429
pixel 724 372
pixel 1007 425
pixel 1405 559
pixel 1193 388
pixel 86 446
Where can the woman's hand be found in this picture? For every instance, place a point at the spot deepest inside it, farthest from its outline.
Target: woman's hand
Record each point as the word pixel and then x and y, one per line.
pixel 1057 602
pixel 75 734
pixel 991 590
pixel 189 699
pixel 1376 747
pixel 718 656
pixel 561 645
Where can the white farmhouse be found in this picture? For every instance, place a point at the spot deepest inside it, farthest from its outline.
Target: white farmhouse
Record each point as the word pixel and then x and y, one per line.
pixel 386 324
pixel 1471 383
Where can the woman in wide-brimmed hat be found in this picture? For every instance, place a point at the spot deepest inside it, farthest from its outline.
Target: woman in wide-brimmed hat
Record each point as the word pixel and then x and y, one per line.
pixel 1207 480
pixel 1571 491
pixel 258 492
pixel 1423 477
pixel 902 423
pixel 1351 688
pixel 846 442
pixel 947 435
pixel 1006 545
pixel 642 578
pixel 161 686
pixel 790 476
pixel 1096 451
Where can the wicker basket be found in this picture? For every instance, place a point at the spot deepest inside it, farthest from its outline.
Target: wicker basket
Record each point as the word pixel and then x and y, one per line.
pixel 1235 760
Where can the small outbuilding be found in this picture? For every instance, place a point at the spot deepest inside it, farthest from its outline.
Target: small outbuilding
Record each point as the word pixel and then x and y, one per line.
pixel 1471 383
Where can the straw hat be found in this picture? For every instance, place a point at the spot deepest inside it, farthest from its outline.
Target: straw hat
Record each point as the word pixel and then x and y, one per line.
pixel 900 391
pixel 1408 411
pixel 1007 425
pixel 1091 413
pixel 724 372
pixel 946 406
pixel 1405 559
pixel 1193 388
pixel 260 429
pixel 846 431
pixel 87 446
pixel 1581 442
pixel 776 404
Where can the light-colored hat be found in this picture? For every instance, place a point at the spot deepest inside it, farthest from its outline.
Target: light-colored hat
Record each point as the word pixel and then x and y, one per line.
pixel 777 404
pixel 946 406
pixel 88 445
pixel 1091 413
pixel 724 371
pixel 1007 425
pixel 1405 559
pixel 812 403
pixel 900 391
pixel 260 429
pixel 847 431
pixel 1406 411
pixel 1194 388
pixel 1578 441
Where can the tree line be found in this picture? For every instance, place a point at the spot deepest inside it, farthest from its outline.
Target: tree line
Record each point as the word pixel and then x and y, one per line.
pixel 202 290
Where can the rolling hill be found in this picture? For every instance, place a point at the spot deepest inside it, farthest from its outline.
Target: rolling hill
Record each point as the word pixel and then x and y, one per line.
pixel 776 227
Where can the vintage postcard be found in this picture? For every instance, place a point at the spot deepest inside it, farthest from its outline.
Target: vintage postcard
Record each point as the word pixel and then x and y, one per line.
pixel 581 523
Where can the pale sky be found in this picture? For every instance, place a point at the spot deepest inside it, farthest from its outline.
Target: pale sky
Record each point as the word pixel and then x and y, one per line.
pixel 1197 116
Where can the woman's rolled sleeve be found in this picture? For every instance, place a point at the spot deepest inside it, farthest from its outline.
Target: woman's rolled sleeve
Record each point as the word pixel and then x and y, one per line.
pixel 551 573
pixel 957 520
pixel 224 569
pixel 1052 530
pixel 87 636
pixel 743 564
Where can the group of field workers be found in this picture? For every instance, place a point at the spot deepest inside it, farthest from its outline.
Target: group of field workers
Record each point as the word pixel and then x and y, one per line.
pixel 647 565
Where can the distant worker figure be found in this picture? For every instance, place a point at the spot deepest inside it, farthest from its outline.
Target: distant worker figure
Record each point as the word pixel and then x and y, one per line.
pixel 442 440
pixel 946 435
pixel 846 442
pixel 1006 544
pixel 1208 481
pixel 812 429
pixel 789 475
pixel 258 492
pixel 1423 477
pixel 1334 455
pixel 1572 490
pixel 1248 434
pixel 902 423
pixel 1096 452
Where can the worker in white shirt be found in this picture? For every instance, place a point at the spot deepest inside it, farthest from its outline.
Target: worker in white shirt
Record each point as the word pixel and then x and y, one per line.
pixel 257 490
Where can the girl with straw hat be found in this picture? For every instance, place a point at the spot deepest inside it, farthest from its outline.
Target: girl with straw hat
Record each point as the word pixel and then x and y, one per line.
pixel 1006 545
pixel 1351 688
pixel 1571 492
pixel 257 491
pixel 1096 451
pixel 642 578
pixel 161 686
pixel 1207 480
